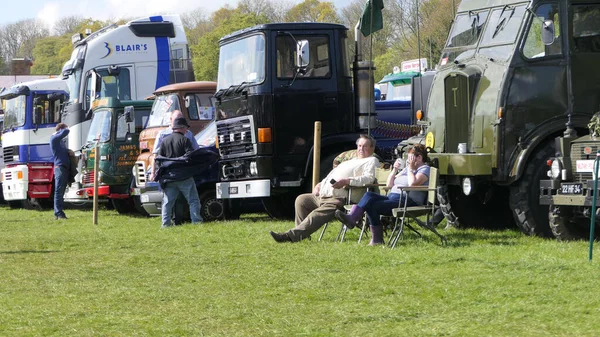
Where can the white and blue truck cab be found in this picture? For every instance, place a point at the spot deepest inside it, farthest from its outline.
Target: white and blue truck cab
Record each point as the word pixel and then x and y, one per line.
pixel 32 110
pixel 132 61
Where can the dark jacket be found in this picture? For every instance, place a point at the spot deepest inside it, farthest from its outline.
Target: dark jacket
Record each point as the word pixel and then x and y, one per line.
pixel 186 166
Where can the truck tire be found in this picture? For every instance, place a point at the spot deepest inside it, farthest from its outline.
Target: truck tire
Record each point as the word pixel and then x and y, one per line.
pixel 567 227
pixel 529 215
pixel 32 204
pixel 280 206
pixel 233 209
pixel 485 209
pixel 211 208
pixel 123 206
pixel 137 202
pixel 14 204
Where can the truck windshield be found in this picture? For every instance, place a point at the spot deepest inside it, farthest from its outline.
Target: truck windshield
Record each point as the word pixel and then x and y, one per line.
pixel 208 136
pixel 72 73
pixel 464 35
pixel 504 25
pixel 242 61
pixel 100 127
pixel 14 114
pixel 161 110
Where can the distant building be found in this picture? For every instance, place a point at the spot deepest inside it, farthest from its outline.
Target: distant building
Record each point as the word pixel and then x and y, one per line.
pixel 20 70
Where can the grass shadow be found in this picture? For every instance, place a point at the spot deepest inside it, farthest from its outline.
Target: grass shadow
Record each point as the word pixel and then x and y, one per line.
pixel 9 252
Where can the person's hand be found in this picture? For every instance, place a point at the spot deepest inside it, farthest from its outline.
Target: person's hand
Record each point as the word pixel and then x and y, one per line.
pixel 397 164
pixel 411 162
pixel 316 190
pixel 341 183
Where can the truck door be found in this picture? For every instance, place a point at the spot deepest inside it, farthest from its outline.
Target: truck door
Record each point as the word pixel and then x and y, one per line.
pixel 303 96
pixel 537 89
pixel 585 48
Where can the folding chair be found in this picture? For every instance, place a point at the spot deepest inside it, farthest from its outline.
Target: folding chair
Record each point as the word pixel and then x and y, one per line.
pixel 413 212
pixel 355 193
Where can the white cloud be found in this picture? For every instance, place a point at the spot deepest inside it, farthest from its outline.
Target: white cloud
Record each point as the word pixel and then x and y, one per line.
pixel 49 14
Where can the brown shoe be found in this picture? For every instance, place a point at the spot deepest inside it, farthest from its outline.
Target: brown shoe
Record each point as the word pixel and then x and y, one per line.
pixel 280 237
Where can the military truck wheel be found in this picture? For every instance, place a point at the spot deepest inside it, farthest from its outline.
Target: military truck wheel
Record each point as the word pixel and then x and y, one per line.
pixel 123 206
pixel 529 215
pixel 567 227
pixel 211 208
pixel 485 209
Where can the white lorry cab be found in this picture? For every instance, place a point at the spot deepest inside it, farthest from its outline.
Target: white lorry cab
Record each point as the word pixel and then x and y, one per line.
pixel 130 62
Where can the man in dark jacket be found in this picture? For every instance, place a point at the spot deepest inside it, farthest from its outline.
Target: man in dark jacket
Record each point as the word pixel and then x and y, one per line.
pixel 61 168
pixel 174 146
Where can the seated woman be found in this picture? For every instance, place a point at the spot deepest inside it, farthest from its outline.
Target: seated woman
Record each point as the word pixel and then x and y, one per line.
pixel 416 173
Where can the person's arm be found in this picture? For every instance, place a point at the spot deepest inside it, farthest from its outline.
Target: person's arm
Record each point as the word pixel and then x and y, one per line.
pixel 415 178
pixel 62 133
pixel 151 159
pixel 192 139
pixel 317 189
pixel 187 145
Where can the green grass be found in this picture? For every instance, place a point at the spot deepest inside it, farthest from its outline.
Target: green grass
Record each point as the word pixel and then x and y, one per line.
pixel 128 277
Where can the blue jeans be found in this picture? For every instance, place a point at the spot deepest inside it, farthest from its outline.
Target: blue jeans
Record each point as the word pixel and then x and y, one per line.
pixel 376 205
pixel 61 176
pixel 171 191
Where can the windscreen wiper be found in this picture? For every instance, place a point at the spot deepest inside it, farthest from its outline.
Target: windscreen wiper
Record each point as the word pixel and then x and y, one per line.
pixel 504 21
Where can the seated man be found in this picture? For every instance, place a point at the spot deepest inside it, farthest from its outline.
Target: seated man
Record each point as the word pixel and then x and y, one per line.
pixel 315 209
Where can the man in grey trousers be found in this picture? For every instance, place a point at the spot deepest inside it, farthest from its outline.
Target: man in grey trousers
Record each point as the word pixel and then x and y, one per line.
pixel 315 209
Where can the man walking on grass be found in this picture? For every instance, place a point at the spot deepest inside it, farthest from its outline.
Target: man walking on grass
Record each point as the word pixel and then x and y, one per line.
pixel 61 168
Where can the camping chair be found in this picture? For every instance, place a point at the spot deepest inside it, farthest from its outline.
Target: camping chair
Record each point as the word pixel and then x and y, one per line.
pixel 413 212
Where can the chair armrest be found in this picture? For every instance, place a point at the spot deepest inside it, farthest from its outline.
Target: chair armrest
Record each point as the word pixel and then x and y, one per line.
pixel 416 188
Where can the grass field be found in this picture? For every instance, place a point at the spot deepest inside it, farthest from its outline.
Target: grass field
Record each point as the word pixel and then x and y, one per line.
pixel 128 277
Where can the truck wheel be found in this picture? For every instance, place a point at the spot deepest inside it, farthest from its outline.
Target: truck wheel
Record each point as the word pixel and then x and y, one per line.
pixel 280 206
pixel 137 202
pixel 123 206
pixel 485 209
pixel 566 226
pixel 529 215
pixel 14 204
pixel 32 204
pixel 211 208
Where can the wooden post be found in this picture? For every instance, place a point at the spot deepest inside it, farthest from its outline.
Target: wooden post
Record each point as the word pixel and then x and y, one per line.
pixel 317 154
pixel 95 176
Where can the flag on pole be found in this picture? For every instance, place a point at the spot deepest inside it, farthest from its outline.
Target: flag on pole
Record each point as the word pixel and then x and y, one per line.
pixel 366 26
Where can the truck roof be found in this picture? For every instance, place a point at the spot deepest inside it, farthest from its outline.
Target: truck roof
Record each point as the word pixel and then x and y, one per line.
pixel 49 84
pixel 307 26
pixel 188 86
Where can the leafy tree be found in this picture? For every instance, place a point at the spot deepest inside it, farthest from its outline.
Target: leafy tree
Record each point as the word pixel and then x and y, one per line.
pixel 48 57
pixel 18 39
pixel 206 52
pixel 196 24
pixel 67 25
pixel 274 11
pixel 313 11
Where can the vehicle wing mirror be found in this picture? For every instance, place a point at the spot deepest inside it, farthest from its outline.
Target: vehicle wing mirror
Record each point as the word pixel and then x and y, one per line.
pixel 548 32
pixel 114 70
pixel 187 101
pixel 129 113
pixel 38 115
pixel 302 54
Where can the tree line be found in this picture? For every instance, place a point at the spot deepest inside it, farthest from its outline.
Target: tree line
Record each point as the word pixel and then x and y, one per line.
pixel 405 23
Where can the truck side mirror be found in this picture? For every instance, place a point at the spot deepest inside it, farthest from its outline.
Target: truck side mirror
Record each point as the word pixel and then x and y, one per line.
pixel 114 70
pixel 302 54
pixel 548 32
pixel 128 113
pixel 187 101
pixel 37 115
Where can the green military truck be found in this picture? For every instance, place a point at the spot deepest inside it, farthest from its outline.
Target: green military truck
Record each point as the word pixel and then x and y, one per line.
pixel 569 187
pixel 511 76
pixel 116 126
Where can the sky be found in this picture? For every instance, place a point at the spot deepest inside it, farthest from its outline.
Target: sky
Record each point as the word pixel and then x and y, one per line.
pixel 49 11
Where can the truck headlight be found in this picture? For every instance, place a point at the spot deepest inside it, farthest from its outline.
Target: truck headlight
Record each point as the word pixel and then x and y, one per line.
pixel 555 169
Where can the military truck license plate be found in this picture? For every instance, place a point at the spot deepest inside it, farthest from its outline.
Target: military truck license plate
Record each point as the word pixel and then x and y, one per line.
pixel 233 190
pixel 570 189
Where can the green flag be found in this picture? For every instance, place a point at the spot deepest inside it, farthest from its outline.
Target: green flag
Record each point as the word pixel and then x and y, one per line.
pixel 366 27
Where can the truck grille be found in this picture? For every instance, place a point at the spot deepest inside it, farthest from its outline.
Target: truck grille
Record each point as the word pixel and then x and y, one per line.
pixel 578 154
pixel 236 137
pixel 9 152
pixel 139 173
pixel 88 177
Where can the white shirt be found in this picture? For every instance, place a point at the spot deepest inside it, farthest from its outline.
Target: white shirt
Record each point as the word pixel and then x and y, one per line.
pixel 361 172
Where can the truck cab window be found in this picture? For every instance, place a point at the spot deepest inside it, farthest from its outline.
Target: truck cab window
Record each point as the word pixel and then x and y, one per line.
pixel 464 36
pixel 117 86
pixel 501 32
pixel 207 109
pixel 193 106
pixel 319 57
pixel 586 29
pixel 534 48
